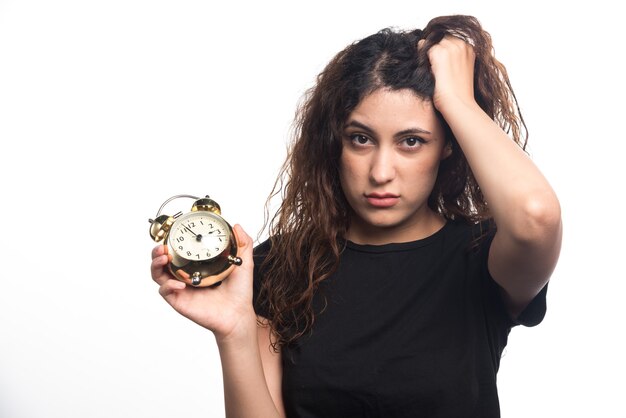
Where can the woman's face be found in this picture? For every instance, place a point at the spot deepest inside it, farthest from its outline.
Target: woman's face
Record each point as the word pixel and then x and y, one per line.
pixel 392 146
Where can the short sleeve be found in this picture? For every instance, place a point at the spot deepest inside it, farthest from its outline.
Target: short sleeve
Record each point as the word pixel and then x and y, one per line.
pixel 534 313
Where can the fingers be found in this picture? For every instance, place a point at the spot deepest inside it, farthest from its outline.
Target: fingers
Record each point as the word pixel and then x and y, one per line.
pixel 452 63
pixel 158 251
pixel 454 45
pixel 158 266
pixel 170 287
pixel 448 41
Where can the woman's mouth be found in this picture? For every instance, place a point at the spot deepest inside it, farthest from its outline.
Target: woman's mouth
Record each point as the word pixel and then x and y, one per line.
pixel 382 200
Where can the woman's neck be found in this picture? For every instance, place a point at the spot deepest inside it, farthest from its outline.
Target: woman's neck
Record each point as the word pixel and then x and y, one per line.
pixel 361 232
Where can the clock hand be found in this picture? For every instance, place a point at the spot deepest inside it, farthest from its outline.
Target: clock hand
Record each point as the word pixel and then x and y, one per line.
pixel 198 237
pixel 189 229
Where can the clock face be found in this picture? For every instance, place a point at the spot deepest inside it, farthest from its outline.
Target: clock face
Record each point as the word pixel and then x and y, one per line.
pixel 199 236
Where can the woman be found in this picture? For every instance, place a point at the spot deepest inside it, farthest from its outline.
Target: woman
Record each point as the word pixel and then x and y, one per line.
pixel 414 233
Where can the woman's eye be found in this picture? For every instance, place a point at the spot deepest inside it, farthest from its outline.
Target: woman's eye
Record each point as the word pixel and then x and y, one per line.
pixel 413 142
pixel 359 139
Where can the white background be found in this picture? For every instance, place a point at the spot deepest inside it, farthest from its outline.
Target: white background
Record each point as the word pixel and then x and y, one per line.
pixel 107 108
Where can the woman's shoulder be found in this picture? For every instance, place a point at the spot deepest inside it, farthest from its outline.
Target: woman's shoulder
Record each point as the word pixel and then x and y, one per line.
pixel 263 247
pixel 260 253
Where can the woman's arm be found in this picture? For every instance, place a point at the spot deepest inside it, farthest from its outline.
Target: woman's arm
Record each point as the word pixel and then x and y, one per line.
pixel 227 311
pixel 526 210
pixel 252 375
pixel 272 365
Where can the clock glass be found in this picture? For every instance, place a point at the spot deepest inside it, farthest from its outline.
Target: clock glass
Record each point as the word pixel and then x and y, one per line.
pixel 199 236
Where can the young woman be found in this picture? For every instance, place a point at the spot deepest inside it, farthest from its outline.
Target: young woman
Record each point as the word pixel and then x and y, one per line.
pixel 414 233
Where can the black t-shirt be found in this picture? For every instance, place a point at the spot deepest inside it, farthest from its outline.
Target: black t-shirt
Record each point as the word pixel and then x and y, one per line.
pixel 408 330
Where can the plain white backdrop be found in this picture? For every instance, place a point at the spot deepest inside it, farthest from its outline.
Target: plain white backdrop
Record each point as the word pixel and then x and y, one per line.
pixel 107 108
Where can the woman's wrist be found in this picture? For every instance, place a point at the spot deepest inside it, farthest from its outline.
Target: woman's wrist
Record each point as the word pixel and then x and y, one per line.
pixel 242 334
pixel 452 103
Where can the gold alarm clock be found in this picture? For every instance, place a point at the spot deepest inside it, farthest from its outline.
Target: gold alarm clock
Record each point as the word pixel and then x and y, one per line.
pixel 201 245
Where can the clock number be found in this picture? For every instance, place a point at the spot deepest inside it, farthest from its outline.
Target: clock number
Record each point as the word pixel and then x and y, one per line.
pixel 189 253
pixel 180 247
pixel 179 239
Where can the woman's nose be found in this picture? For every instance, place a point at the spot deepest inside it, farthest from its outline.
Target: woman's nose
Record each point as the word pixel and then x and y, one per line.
pixel 382 168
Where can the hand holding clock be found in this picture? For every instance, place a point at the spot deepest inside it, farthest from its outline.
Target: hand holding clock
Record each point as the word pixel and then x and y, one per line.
pixel 227 309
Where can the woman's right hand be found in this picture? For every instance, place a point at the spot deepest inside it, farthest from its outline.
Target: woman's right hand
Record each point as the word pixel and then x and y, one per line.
pixel 226 309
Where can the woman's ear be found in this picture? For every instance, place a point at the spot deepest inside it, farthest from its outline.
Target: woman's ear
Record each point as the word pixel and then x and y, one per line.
pixel 446 151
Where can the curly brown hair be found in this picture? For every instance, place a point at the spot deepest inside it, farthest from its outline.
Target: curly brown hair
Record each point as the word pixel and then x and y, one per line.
pixel 306 233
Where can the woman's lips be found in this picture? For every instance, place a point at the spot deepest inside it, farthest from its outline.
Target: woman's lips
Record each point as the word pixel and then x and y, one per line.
pixel 382 200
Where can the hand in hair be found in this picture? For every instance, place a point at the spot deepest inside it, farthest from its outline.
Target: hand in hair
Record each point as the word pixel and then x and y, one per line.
pixel 452 64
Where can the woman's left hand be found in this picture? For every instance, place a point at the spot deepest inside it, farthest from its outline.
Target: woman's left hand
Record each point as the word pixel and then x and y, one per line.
pixel 452 64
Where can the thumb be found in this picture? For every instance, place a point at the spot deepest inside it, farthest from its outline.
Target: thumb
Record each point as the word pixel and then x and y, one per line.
pixel 244 250
pixel 242 275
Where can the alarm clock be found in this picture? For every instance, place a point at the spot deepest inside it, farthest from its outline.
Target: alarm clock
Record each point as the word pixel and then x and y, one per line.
pixel 200 243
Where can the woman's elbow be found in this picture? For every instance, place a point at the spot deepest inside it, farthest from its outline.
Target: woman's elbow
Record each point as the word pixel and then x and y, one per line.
pixel 539 218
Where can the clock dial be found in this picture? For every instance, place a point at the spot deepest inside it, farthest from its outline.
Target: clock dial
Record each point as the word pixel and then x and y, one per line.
pixel 199 236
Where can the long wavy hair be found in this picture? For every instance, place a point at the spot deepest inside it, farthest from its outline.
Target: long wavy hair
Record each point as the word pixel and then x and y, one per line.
pixel 307 230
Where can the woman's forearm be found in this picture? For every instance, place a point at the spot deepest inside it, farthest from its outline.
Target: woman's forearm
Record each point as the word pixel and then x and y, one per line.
pixel 245 388
pixel 520 198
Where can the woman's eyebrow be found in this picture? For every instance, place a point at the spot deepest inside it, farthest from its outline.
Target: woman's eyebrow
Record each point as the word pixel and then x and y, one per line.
pixel 357 124
pixel 413 131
